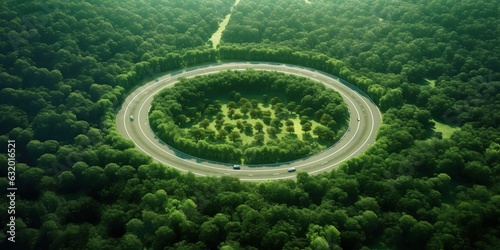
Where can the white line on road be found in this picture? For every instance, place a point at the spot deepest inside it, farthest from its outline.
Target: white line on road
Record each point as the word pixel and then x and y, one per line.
pixel 168 157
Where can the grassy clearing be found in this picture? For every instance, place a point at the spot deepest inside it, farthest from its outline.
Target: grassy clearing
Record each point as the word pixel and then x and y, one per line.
pixel 222 26
pixel 444 128
pixel 248 138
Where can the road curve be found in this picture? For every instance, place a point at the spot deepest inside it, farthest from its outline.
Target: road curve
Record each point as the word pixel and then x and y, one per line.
pixel 357 139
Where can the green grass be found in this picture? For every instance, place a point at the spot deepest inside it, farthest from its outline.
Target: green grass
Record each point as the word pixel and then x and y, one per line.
pixel 444 128
pixel 429 82
pixel 249 138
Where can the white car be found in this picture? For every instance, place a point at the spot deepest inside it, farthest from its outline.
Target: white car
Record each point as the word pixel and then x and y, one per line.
pixel 236 167
pixel 131 117
pixel 292 170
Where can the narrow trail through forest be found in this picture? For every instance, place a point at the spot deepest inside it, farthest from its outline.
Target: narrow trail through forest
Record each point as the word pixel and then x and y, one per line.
pixel 222 26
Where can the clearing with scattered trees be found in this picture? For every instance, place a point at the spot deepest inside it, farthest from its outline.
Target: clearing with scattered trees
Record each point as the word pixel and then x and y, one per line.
pixel 194 117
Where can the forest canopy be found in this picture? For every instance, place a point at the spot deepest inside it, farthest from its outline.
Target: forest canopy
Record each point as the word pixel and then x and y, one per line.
pixel 259 121
pixel 430 181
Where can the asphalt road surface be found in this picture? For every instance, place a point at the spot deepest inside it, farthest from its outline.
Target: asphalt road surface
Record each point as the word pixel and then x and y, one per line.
pixel 365 119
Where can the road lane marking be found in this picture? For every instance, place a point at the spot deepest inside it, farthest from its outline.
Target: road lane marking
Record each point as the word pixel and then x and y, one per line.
pixel 169 80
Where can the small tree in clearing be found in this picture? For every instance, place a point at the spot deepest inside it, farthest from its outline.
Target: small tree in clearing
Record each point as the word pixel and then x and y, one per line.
pixel 306 127
pixel 233 136
pixel 222 134
pixel 258 126
pixel 205 123
pixel 271 131
pixel 259 137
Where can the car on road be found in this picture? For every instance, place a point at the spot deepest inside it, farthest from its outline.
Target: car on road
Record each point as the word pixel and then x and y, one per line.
pixel 291 170
pixel 236 167
pixel 291 173
pixel 359 119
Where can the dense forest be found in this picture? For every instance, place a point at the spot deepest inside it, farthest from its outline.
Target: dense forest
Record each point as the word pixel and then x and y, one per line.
pixel 430 181
pixel 195 118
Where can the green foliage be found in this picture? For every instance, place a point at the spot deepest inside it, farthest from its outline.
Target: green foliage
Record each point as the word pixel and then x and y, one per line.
pixel 275 139
pixel 66 66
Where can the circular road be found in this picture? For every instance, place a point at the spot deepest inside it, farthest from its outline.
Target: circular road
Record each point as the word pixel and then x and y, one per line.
pixel 365 119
